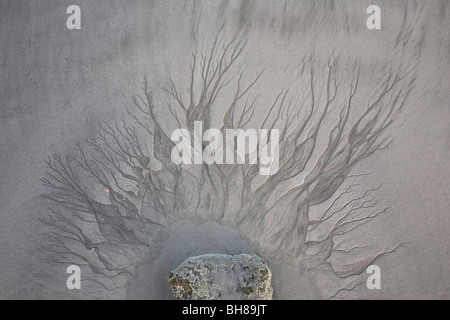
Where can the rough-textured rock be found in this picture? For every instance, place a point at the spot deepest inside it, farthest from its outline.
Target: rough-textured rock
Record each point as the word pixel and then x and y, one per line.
pixel 222 277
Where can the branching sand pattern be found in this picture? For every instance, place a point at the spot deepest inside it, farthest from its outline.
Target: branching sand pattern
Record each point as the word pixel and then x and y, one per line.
pixel 116 195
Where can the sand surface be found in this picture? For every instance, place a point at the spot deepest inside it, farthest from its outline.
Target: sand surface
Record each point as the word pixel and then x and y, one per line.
pixel 58 85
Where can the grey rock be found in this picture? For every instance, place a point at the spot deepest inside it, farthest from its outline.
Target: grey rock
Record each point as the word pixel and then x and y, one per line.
pixel 222 277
